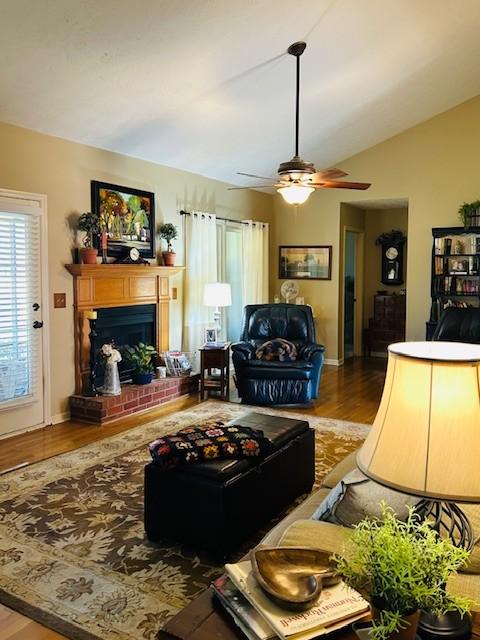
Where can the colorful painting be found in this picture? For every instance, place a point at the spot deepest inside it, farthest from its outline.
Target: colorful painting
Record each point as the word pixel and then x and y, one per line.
pixel 305 263
pixel 128 216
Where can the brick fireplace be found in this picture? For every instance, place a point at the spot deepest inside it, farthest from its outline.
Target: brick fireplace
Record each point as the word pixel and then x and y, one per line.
pixel 120 293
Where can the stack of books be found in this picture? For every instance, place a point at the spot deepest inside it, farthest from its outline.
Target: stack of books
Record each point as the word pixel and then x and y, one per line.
pixel 260 618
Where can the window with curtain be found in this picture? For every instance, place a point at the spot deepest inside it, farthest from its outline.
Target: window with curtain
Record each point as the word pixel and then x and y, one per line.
pixel 19 289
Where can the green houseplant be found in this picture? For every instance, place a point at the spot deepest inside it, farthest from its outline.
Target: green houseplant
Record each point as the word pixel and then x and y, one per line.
pixel 89 223
pixel 168 232
pixel 401 568
pixel 467 211
pixel 140 357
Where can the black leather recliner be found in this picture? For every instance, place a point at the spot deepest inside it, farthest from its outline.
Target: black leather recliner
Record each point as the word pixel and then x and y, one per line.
pixel 459 324
pixel 272 382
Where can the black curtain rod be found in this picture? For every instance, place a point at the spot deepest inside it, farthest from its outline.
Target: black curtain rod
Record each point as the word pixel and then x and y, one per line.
pixel 187 213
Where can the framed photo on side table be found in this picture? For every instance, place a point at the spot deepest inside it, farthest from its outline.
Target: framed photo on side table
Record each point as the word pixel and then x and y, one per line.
pixel 128 216
pixel 305 263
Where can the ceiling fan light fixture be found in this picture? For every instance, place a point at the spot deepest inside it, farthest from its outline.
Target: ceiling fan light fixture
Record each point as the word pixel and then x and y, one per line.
pixel 295 194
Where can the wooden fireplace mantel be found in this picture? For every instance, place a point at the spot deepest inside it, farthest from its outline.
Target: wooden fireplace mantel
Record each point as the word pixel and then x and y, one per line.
pixel 101 286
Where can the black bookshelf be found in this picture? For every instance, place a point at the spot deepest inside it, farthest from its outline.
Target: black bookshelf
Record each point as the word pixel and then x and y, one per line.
pixel 455 279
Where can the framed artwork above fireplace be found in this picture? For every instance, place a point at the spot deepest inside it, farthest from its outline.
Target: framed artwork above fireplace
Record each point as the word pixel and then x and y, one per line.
pixel 128 216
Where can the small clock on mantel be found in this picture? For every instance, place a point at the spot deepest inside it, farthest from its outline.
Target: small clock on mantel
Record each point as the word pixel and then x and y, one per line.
pixel 132 256
pixel 392 243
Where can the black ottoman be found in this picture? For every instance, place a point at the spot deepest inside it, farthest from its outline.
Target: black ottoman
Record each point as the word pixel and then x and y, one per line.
pixel 217 505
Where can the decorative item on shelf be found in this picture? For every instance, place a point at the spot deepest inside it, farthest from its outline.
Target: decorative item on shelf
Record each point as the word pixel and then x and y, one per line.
pixel 289 290
pixel 305 263
pixel 179 363
pixel 90 224
pixel 276 299
pixel 92 390
pixel 392 243
pixel 293 577
pixel 459 247
pixel 428 416
pixel 299 300
pixel 111 382
pixel 128 215
pixel 217 294
pixel 469 214
pixel 131 256
pixel 401 568
pixel 168 232
pixel 140 357
pixel 104 244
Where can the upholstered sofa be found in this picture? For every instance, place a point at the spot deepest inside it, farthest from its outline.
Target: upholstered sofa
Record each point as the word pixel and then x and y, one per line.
pixel 274 382
pixel 298 529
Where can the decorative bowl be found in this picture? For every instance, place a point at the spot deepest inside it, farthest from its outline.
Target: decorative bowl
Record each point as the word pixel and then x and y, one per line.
pixel 293 577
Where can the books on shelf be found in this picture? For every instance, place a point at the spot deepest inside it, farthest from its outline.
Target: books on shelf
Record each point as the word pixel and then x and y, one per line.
pixel 338 606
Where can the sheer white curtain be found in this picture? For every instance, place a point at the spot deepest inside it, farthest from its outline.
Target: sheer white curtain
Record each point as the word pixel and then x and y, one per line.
pixel 201 268
pixel 255 262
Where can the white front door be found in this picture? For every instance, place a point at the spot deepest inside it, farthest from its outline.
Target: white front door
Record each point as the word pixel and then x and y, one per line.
pixel 22 315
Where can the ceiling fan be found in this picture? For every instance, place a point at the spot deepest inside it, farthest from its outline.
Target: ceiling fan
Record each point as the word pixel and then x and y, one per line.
pixel 298 178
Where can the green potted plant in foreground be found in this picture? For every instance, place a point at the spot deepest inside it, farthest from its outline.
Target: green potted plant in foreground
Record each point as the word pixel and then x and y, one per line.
pixel 89 223
pixel 401 568
pixel 168 232
pixel 140 357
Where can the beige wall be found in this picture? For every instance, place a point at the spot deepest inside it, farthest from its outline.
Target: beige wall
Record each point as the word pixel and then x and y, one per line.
pixel 62 170
pixel 434 166
pixel 378 221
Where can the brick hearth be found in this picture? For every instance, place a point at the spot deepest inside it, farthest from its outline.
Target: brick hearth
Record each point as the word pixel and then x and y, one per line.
pixel 134 398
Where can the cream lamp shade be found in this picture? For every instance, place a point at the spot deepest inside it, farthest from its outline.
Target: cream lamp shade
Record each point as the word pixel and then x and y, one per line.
pixel 217 294
pixel 425 439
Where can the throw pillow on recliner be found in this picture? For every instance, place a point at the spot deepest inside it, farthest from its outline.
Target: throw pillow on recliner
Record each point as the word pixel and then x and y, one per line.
pixel 277 349
pixel 356 496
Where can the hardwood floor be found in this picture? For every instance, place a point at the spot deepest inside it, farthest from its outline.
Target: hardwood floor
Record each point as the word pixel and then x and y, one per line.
pixel 351 392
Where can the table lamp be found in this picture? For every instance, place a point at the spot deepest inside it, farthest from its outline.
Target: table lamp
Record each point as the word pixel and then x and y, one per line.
pixel 425 441
pixel 217 294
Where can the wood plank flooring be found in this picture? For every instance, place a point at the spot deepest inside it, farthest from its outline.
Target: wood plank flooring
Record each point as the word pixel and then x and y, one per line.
pixel 351 392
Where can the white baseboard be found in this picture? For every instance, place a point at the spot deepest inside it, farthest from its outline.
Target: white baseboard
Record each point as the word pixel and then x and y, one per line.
pixel 60 417
pixel 333 362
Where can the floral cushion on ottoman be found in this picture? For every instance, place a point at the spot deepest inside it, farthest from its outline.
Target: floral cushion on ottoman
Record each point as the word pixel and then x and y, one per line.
pixel 208 442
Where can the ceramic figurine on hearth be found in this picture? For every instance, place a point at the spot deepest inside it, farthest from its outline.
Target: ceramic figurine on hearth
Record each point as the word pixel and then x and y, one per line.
pixel 111 384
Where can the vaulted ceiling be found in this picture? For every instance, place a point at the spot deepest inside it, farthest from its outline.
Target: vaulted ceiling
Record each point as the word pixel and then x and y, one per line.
pixel 205 85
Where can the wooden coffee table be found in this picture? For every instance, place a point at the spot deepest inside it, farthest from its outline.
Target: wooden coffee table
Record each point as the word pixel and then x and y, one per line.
pixel 202 619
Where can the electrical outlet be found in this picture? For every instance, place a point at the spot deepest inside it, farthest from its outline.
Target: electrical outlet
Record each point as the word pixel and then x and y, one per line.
pixel 174 293
pixel 59 300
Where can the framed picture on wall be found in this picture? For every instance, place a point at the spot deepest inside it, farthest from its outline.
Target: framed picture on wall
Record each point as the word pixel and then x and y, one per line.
pixel 128 216
pixel 305 263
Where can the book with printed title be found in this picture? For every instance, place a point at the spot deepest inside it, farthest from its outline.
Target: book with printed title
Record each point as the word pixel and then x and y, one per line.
pixel 338 605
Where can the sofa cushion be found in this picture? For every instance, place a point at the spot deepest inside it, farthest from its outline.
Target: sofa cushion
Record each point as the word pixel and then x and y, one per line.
pixel 319 535
pixel 356 496
pixel 339 471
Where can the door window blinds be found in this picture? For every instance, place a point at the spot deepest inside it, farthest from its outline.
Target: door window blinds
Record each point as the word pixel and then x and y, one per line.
pixel 19 291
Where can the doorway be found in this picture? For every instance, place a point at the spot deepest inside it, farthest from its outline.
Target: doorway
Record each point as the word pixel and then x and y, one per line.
pixel 352 292
pixel 24 389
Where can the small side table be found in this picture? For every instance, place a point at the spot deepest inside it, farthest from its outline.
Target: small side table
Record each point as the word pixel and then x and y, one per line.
pixel 215 358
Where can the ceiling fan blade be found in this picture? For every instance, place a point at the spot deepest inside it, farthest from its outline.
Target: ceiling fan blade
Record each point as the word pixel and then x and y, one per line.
pixel 339 184
pixel 253 186
pixel 327 174
pixel 252 175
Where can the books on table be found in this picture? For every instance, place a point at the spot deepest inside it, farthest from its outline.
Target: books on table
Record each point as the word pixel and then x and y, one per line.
pixel 338 605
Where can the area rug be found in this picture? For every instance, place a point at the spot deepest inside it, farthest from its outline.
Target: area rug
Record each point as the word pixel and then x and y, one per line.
pixel 73 554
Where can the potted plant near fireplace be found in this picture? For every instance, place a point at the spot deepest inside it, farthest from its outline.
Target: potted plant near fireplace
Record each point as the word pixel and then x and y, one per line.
pixel 168 232
pixel 89 223
pixel 140 357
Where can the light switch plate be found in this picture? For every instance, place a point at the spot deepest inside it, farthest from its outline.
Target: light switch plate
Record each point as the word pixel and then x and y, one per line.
pixel 59 300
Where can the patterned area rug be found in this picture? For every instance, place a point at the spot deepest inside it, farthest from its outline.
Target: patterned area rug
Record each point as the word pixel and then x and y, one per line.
pixel 73 554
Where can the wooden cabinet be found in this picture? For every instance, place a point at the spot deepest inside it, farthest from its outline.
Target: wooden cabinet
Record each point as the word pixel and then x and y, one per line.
pixel 388 323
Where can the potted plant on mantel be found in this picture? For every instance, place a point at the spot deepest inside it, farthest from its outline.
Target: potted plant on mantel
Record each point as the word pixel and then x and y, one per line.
pixel 140 358
pixel 401 568
pixel 168 232
pixel 89 223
